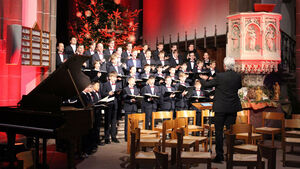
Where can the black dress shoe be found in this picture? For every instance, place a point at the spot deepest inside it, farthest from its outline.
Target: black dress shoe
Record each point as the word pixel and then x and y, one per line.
pixel 92 151
pixel 107 141
pixel 84 155
pixel 100 143
pixel 218 159
pixel 115 140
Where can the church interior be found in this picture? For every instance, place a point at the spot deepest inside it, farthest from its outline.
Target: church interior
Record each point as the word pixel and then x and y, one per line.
pixel 158 84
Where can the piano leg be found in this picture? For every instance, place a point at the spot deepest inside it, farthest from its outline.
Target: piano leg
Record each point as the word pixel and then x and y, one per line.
pixel 36 153
pixel 11 138
pixel 71 155
pixel 45 166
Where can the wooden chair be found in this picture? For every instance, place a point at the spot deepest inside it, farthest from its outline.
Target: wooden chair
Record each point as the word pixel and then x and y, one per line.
pixel 291 138
pixel 170 125
pixel 295 116
pixel 138 157
pixel 162 116
pixel 246 147
pixel 141 118
pixel 271 130
pixel 250 160
pixel 182 123
pixel 269 153
pixel 206 113
pixel 162 160
pixel 189 158
pixel 144 141
pixel 187 114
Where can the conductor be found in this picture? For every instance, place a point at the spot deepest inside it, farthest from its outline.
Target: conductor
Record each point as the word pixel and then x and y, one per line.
pixel 226 101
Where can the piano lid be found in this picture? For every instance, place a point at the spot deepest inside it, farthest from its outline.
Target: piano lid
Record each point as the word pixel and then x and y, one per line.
pixel 65 80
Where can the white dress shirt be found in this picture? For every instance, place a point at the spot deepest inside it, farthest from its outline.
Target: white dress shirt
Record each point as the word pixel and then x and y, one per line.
pixel 74 48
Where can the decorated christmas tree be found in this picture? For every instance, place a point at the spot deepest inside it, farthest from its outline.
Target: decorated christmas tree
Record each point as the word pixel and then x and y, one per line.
pixel 102 20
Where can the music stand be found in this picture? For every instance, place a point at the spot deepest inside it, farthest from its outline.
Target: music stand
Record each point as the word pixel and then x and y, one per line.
pixel 201 107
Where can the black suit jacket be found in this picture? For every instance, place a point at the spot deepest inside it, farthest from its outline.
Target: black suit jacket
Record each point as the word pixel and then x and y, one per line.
pixel 58 60
pixel 152 62
pixel 166 63
pixel 166 102
pixel 226 97
pixel 189 66
pixel 96 96
pixel 155 54
pixel 107 54
pixel 173 63
pixel 106 88
pixel 211 73
pixel 141 56
pixel 149 104
pixel 69 51
pixel 181 101
pixel 129 106
pixel 111 68
pixel 124 55
pixel 89 62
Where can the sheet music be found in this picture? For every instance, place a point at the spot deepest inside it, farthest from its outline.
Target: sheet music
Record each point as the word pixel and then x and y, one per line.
pixel 206 104
pixel 107 99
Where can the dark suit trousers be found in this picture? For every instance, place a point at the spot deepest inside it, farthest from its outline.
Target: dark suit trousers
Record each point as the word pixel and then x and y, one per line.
pixel 148 111
pixel 221 119
pixel 111 121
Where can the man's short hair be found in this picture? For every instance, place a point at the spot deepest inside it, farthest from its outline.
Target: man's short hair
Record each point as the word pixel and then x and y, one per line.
pixel 181 74
pixel 146 65
pixel 113 74
pixel 161 52
pixel 151 77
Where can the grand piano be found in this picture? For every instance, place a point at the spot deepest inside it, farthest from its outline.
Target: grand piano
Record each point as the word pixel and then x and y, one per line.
pixel 41 114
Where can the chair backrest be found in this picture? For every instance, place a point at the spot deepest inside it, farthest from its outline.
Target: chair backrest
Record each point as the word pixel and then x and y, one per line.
pixel 167 125
pixel 292 123
pixel 161 115
pixel 204 114
pixel 161 158
pixel 187 114
pixel 273 116
pixel 181 123
pixel 295 116
pixel 242 117
pixel 132 125
pixel 242 128
pixel 134 144
pixel 139 117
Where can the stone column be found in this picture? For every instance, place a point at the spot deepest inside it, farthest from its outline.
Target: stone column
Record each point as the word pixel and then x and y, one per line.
pixel 298 49
pixel 46 19
pixel 52 26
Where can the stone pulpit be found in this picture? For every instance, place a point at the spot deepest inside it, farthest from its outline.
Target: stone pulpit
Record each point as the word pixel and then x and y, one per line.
pixel 254 42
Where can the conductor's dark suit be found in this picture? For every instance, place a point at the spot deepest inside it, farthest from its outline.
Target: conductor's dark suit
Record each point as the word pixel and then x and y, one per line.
pixel 226 103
